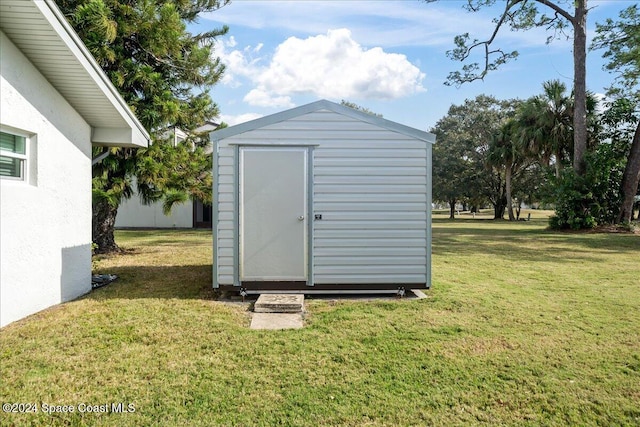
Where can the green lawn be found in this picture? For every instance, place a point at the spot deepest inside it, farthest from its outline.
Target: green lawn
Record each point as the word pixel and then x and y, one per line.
pixel 522 327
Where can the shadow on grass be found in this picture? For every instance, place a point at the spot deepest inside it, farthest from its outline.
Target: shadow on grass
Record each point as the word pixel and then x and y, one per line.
pixel 528 243
pixel 168 282
pixel 491 230
pixel 515 242
pixel 154 237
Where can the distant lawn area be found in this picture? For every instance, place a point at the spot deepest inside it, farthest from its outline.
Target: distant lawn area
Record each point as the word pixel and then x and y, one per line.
pixel 523 326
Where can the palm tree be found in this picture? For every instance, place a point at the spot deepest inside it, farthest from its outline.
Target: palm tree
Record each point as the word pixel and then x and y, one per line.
pixel 506 151
pixel 546 126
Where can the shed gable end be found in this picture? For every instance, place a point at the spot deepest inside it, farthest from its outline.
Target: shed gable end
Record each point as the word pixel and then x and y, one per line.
pixel 371 196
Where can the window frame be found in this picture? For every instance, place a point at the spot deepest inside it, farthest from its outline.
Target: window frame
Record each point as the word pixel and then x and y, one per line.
pixel 23 158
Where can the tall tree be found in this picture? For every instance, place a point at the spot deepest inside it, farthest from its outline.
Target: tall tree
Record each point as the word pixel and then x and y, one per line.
pixel 545 124
pixel 164 73
pixel 524 15
pixel 530 185
pixel 450 166
pixel 508 155
pixel 464 136
pixel 621 39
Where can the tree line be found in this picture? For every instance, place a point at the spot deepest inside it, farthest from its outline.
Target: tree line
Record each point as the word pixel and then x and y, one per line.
pixel 506 153
pixel 563 148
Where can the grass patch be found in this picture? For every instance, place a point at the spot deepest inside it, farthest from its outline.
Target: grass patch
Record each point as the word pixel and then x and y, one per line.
pixel 523 326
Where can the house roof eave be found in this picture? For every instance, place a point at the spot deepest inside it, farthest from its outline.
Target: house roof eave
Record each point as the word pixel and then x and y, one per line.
pixel 71 69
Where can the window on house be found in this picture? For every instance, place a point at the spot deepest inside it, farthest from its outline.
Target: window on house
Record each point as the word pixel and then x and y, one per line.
pixel 13 156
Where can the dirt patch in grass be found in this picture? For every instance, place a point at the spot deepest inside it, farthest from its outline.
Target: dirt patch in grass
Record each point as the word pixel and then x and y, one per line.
pixel 628 229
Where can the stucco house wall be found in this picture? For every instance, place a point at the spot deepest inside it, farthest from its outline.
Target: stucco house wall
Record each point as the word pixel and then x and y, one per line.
pixel 134 214
pixel 42 234
pixel 56 101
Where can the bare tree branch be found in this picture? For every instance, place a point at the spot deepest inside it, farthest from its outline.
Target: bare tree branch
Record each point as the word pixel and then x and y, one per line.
pixel 518 14
pixel 470 72
pixel 558 10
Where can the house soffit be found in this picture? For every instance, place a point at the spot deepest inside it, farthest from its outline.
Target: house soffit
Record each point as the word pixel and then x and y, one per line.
pixel 41 32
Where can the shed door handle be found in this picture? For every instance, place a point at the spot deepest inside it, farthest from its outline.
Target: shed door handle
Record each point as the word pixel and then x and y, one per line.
pixel 301 218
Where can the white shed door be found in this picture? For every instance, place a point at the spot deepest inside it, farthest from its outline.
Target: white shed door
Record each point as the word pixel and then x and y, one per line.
pixel 273 217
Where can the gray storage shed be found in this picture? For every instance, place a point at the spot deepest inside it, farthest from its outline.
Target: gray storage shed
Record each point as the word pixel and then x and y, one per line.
pixel 321 198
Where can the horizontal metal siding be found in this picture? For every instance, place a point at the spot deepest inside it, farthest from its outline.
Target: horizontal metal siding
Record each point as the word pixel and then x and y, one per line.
pixel 369 185
pixel 341 180
pixel 224 182
pixel 362 278
pixel 369 251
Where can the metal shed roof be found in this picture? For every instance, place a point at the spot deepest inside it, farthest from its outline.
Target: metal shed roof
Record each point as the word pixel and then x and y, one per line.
pixel 318 106
pixel 40 30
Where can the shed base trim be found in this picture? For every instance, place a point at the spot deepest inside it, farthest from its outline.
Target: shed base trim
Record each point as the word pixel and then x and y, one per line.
pixel 299 287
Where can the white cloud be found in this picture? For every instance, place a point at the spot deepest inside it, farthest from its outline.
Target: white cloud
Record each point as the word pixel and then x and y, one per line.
pixel 336 66
pixel 331 65
pixel 262 98
pixel 241 118
pixel 238 63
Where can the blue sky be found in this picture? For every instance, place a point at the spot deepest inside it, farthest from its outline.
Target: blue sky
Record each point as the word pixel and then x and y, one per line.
pixel 388 56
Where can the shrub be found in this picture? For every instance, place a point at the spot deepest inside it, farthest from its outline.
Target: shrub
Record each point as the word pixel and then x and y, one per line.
pixel 582 202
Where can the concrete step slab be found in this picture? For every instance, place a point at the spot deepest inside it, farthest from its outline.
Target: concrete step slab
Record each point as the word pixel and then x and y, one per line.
pixel 279 303
pixel 419 294
pixel 276 321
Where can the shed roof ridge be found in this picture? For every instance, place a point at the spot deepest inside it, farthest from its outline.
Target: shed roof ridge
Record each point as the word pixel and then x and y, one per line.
pixel 317 106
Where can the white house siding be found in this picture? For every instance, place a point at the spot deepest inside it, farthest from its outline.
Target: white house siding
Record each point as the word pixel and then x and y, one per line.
pixel 132 213
pixel 45 224
pixel 369 184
